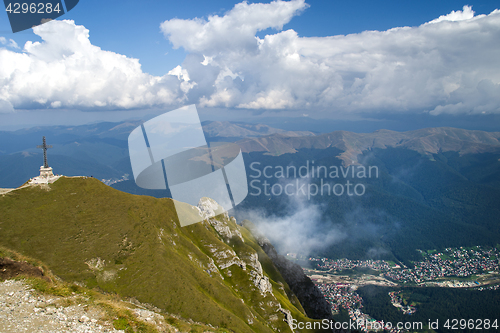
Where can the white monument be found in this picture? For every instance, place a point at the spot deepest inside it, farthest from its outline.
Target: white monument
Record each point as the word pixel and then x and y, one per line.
pixel 46 174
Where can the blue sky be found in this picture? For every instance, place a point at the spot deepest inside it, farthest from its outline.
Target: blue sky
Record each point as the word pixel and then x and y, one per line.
pixel 233 77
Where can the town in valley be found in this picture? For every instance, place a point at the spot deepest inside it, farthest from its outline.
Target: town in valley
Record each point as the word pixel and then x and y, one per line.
pixel 465 267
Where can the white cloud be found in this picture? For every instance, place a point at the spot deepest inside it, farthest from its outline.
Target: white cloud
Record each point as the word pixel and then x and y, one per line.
pixel 448 65
pixel 9 43
pixel 466 14
pixel 235 29
pixel 66 71
pixel 302 227
pixel 451 65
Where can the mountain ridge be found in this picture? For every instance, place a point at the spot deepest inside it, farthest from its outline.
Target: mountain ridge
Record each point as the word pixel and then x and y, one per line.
pixel 210 272
pixel 426 141
pixel 239 129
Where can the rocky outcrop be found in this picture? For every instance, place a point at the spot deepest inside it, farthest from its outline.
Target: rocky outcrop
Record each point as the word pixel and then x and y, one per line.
pixel 253 261
pixel 209 209
pixel 288 317
pixel 309 295
pixel 261 282
pixel 226 257
pixel 22 309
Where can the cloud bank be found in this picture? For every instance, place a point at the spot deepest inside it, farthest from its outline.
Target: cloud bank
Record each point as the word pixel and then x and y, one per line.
pixel 448 65
pixel 66 71
pixel 299 227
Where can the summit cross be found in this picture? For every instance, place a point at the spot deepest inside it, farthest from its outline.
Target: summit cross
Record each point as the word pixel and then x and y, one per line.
pixel 44 147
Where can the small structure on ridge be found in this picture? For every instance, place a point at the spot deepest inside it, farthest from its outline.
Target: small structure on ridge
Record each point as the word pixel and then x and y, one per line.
pixel 46 173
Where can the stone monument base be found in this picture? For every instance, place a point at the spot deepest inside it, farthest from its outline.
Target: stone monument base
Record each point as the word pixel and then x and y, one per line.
pixel 46 176
pixel 46 172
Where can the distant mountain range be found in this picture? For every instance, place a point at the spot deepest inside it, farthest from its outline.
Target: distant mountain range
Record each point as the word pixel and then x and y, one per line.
pixel 226 129
pixel 103 146
pixel 99 149
pixel 426 141
pixel 436 187
pixel 72 140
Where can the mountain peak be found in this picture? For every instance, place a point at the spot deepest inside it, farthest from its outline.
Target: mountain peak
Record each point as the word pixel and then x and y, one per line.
pixel 208 272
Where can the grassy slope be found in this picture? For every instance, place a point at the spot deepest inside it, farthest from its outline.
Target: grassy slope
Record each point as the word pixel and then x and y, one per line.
pixel 142 253
pixel 114 309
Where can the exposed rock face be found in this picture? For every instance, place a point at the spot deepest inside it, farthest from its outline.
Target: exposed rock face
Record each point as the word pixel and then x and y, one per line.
pixel 24 310
pixel 255 263
pixel 209 208
pixel 288 317
pixel 225 258
pixel 98 266
pixel 261 282
pixel 309 295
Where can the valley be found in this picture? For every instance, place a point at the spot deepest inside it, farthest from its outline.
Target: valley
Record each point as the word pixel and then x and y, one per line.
pixel 475 268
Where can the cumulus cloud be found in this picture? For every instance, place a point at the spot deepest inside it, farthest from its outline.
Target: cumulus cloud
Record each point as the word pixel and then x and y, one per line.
pixel 236 29
pixel 448 65
pixel 459 15
pixel 66 71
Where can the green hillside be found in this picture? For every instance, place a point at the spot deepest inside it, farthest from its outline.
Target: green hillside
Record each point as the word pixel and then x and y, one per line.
pixel 87 232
